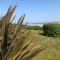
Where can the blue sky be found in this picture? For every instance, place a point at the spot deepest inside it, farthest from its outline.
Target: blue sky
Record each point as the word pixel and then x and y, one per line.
pixel 37 11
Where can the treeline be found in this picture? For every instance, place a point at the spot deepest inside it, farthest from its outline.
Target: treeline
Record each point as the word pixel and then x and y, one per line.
pixel 33 27
pixel 28 27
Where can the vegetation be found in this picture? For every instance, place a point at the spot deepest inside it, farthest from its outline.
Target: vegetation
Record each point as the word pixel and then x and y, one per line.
pixel 33 27
pixel 52 29
pixel 12 39
pixel 53 44
pixel 19 42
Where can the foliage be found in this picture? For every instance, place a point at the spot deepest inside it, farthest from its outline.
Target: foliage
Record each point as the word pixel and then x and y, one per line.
pixel 51 29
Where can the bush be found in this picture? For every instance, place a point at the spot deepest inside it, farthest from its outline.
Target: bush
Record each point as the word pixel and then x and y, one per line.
pixel 51 29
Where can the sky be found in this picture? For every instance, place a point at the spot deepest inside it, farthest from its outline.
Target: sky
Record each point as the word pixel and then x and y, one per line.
pixel 37 11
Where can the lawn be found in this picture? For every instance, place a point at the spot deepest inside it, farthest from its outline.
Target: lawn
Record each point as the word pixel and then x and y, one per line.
pixel 52 52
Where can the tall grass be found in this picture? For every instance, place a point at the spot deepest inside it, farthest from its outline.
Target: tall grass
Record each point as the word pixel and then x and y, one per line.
pixel 12 47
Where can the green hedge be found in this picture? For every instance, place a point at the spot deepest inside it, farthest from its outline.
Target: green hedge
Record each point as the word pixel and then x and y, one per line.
pixel 51 29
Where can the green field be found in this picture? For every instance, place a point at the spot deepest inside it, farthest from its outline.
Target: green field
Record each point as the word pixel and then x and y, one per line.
pixel 52 52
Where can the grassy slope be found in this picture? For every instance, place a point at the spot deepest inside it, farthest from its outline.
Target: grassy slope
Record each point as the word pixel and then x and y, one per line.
pixel 50 53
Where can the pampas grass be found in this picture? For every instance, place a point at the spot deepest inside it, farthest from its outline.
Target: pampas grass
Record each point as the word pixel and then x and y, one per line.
pixel 12 47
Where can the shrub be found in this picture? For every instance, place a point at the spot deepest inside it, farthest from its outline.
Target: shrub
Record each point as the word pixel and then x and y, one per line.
pixel 51 29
